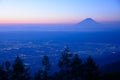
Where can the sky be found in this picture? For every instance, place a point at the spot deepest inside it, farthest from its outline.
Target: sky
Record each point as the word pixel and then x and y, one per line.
pixel 58 11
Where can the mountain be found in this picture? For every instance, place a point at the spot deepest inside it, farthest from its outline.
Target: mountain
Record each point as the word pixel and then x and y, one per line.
pixel 88 21
pixel 89 24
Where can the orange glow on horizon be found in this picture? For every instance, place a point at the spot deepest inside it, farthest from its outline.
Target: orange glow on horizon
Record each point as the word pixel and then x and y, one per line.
pixel 51 21
pixel 33 21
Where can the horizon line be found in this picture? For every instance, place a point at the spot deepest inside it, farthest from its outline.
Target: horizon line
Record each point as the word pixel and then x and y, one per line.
pixel 48 22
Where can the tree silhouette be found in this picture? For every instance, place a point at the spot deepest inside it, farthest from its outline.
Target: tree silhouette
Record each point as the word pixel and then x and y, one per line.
pixel 77 68
pixel 91 70
pixel 65 59
pixel 7 65
pixel 39 75
pixel 46 67
pixel 8 70
pixel 19 70
pixel 46 63
pixel 3 74
pixel 65 64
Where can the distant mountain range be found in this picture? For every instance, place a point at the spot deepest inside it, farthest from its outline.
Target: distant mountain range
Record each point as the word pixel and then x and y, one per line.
pixel 87 25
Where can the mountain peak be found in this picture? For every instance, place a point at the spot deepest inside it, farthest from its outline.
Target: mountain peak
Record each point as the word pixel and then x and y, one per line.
pixel 89 24
pixel 88 20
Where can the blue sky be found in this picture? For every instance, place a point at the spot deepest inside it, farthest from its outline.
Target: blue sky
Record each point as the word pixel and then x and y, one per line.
pixel 58 11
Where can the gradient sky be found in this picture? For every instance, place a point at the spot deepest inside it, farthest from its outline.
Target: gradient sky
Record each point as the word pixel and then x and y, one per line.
pixel 58 11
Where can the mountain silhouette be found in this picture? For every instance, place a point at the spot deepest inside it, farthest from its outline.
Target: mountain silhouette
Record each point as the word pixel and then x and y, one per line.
pixel 87 21
pixel 89 24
